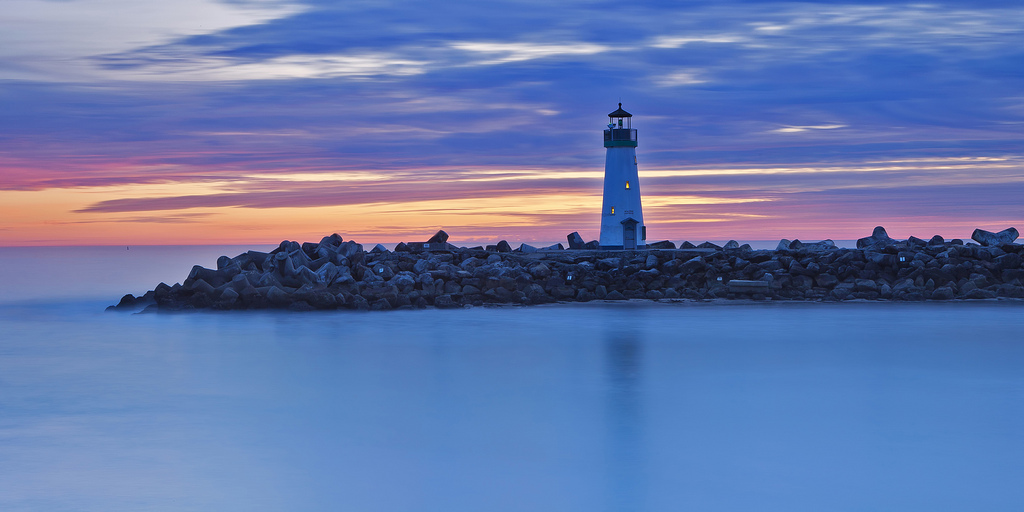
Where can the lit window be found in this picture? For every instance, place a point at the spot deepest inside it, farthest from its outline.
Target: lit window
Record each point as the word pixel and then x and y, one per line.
pixel 613 210
pixel 627 185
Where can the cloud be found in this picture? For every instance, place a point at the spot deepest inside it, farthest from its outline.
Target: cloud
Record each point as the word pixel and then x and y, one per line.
pixel 679 78
pixel 501 53
pixel 798 129
pixel 52 40
pixel 280 68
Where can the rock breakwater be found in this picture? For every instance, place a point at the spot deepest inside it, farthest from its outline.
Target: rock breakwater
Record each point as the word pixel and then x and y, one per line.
pixel 339 274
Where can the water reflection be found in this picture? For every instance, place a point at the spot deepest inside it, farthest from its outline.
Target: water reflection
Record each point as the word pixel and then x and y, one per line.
pixel 624 353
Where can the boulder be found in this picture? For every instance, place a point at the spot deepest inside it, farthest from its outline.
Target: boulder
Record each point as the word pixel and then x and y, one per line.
pixel 990 239
pixel 916 242
pixel 575 241
pixel 943 293
pixel 732 244
pixel 444 302
pixel 360 303
pixel 349 249
pixel 878 236
pixel 824 245
pixel 937 240
pixel 556 247
pixel 826 280
pixel 540 271
pixel 504 247
pixel 783 245
pixel 651 262
pixel 664 244
pixel 404 281
pixel 278 297
pixel 687 245
pixel 978 294
pixel 526 249
pixel 402 247
pixel 593 245
pixel 439 238
pixel 709 245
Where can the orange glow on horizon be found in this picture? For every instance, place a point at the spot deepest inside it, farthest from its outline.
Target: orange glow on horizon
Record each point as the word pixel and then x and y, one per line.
pixel 532 205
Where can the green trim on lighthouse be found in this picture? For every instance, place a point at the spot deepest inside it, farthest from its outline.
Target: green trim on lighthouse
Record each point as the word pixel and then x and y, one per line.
pixel 620 132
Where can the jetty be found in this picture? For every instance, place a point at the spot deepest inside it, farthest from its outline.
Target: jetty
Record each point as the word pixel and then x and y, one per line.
pixel 339 274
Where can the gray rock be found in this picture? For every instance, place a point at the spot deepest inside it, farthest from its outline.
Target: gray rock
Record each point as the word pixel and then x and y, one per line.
pixel 687 245
pixel 824 245
pixel 978 294
pixel 826 280
pixel 424 265
pixel 349 249
pixel 526 249
pixel 593 245
pixel 878 236
pixel 439 238
pixel 865 285
pixel 732 244
pixel 937 240
pixel 404 281
pixel 360 303
pixel 615 295
pixel 842 291
pixel 503 246
pixel 556 247
pixel 540 271
pixel 662 245
pixel 943 293
pixel 575 241
pixel 709 245
pixel 563 292
pixel 988 238
pixel 278 297
pixel 651 262
pixel 444 302
pixel 379 248
pixel 885 291
pixel 783 245
pixel 383 271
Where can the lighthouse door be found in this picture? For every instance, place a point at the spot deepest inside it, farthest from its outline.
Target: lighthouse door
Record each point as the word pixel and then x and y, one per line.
pixel 629 236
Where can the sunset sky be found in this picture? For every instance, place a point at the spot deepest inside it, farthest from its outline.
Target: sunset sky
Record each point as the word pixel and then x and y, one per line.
pixel 238 121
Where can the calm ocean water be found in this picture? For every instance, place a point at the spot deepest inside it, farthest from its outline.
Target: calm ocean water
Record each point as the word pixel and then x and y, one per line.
pixel 769 407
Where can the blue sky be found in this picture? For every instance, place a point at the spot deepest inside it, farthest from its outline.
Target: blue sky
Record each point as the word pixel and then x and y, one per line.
pixel 757 120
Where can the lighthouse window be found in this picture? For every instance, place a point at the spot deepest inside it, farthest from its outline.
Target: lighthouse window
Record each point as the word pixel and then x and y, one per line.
pixel 613 211
pixel 627 185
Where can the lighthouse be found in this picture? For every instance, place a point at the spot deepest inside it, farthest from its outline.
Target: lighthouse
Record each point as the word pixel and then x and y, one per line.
pixel 622 215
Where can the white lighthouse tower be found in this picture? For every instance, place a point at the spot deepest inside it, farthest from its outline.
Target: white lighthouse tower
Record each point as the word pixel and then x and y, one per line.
pixel 622 215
